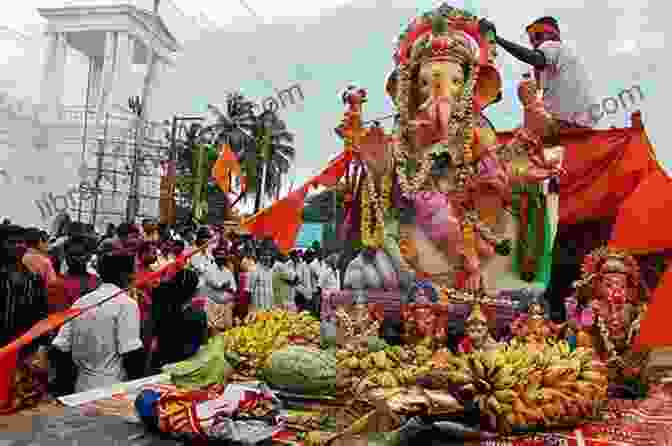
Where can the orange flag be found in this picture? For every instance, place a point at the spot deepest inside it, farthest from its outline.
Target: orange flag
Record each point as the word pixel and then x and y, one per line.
pixel 226 167
pixel 283 219
pixel 641 224
pixel 52 322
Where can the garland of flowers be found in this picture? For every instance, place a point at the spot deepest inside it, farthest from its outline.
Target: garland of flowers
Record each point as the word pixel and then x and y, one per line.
pixel 373 232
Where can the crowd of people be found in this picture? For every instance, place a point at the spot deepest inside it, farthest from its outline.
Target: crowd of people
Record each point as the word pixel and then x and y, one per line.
pixel 131 330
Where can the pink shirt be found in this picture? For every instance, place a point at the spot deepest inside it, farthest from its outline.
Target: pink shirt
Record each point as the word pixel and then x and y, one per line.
pixel 40 264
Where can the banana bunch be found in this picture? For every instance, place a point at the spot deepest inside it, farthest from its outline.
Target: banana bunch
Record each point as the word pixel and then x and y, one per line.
pixel 557 395
pixel 360 370
pixel 266 332
pixel 515 387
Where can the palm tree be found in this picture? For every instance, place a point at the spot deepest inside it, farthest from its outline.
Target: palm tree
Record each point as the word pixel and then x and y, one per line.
pixel 187 148
pixel 276 153
pixel 255 139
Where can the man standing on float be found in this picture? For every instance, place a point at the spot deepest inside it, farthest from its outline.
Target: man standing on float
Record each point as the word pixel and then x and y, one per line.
pixel 568 98
pixel 565 81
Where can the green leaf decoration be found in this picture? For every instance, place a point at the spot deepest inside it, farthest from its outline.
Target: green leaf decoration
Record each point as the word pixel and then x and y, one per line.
pixel 439 25
pixel 411 167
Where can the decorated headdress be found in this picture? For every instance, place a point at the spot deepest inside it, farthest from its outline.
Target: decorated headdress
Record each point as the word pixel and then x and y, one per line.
pixel 476 316
pixel 450 46
pixel 464 41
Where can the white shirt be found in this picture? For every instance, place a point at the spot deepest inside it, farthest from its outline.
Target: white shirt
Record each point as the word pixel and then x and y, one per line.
pixel 329 279
pixel 567 86
pixel 316 266
pixel 202 262
pixel 306 284
pixel 261 287
pixel 99 337
pixel 213 281
pixel 290 272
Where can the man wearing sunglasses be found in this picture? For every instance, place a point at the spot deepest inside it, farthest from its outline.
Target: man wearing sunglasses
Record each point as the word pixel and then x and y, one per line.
pixel 565 81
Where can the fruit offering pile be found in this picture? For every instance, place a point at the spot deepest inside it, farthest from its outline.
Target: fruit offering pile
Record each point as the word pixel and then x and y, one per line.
pixel 515 387
pixel 266 332
pixel 371 363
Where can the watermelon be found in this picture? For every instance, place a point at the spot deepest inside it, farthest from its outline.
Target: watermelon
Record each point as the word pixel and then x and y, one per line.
pixel 301 370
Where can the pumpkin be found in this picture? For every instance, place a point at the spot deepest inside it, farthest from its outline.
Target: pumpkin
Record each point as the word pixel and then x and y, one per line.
pixel 301 370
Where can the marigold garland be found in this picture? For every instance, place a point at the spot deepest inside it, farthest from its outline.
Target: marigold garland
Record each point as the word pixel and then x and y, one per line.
pixel 373 231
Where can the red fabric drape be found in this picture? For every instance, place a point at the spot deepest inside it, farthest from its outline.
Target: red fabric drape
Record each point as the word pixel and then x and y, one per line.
pixel 654 329
pixel 603 168
pixel 642 222
pixel 283 219
pixel 614 173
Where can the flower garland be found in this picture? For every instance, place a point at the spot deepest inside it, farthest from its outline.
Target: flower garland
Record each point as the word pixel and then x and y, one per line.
pixel 373 232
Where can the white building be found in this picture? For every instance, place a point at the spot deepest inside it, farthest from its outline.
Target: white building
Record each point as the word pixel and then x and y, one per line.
pixel 124 51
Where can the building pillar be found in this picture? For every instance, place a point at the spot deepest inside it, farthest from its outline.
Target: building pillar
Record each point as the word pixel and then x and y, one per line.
pixel 54 73
pixel 149 82
pixel 123 64
pixel 94 86
pixel 107 77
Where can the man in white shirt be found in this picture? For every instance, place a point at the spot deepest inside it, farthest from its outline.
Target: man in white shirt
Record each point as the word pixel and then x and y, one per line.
pixel 261 284
pixel 568 98
pixel 104 342
pixel 203 260
pixel 563 76
pixel 306 284
pixel 284 280
pixel 219 286
pixel 329 277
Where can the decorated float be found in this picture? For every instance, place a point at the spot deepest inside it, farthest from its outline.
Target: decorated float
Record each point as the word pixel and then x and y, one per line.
pixel 454 224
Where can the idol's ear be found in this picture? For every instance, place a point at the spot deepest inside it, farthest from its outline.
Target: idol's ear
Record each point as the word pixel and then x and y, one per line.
pixel 391 85
pixel 488 89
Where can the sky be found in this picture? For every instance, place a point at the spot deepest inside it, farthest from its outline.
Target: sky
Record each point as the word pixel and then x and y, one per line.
pixel 324 45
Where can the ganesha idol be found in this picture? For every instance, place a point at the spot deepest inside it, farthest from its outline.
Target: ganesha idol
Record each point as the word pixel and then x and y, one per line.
pixel 433 200
pixel 611 284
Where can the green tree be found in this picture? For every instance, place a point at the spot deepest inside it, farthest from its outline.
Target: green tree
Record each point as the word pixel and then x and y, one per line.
pixel 261 141
pixel 275 153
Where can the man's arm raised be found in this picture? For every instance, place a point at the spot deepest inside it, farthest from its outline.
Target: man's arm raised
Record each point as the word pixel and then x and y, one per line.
pixel 535 58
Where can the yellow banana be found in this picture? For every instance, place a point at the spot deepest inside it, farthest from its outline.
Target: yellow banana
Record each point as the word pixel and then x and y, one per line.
pixel 505 396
